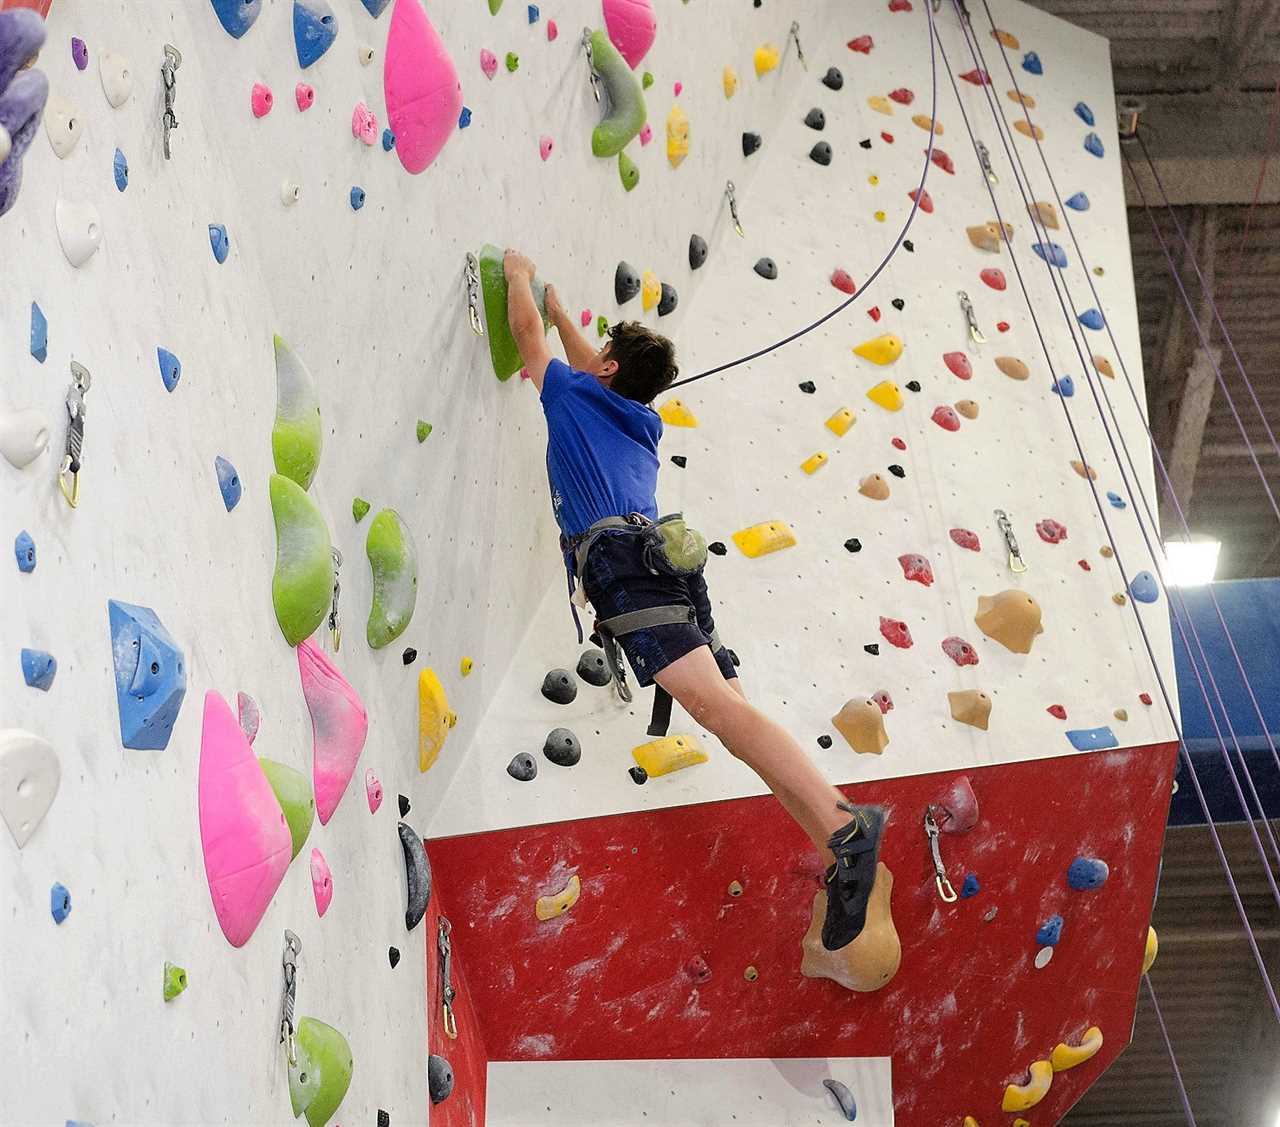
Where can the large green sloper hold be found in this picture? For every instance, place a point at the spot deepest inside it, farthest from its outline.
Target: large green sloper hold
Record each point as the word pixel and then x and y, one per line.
pixel 293 792
pixel 393 559
pixel 302 586
pixel 493 284
pixel 296 436
pixel 320 1079
pixel 626 113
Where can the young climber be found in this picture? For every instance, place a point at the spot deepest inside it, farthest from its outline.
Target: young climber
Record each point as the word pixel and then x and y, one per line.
pixel 602 463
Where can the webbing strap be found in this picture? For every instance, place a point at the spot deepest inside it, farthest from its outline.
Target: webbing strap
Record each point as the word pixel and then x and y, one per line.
pixel 660 717
pixel 635 620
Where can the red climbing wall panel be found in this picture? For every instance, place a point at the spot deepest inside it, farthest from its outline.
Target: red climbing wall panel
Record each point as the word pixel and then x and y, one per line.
pixel 965 1015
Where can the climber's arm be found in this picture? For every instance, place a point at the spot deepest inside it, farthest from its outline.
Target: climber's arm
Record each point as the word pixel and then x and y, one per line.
pixel 524 318
pixel 576 346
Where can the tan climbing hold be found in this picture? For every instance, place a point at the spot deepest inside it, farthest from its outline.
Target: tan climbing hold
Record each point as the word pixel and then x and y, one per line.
pixel 1152 949
pixel 1046 213
pixel 1068 1056
pixel 840 422
pixel 1022 99
pixel 735 888
pixel 1023 1097
pixel 1011 618
pixel 926 123
pixel 1083 470
pixel 1119 599
pixel 761 539
pixel 1012 367
pixel 986 236
pixel 1121 714
pixel 869 961
pixel 880 104
pixel 968 408
pixel 1005 39
pixel 875 487
pixel 548 907
pixel 751 974
pixel 675 414
pixel 1105 551
pixel 862 724
pixel 1027 129
pixel 1102 365
pixel 814 462
pixel 972 707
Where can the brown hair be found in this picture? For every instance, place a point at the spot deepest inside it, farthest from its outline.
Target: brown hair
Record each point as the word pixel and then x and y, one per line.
pixel 646 362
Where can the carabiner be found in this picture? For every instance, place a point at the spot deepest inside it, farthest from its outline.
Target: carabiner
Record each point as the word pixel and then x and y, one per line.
pixel 940 879
pixel 447 993
pixel 69 472
pixel 733 208
pixel 971 318
pixel 335 624
pixel 472 276
pixel 1017 564
pixel 289 968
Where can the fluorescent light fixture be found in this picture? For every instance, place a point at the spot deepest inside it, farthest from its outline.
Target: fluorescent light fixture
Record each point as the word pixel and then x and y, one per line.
pixel 1190 563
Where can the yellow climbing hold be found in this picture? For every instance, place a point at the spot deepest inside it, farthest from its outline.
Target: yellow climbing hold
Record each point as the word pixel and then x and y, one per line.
pixel 671 753
pixel 767 57
pixel 841 421
pixel 1152 949
pixel 1068 1056
pixel 761 539
pixel 886 394
pixel 880 216
pixel 814 462
pixel 880 104
pixel 1103 365
pixel 1012 367
pixel 1022 1097
pixel 548 907
pixel 1005 39
pixel 677 136
pixel 1028 129
pixel 465 666
pixel 1119 599
pixel 926 123
pixel 650 290
pixel 873 180
pixel 880 350
pixel 1022 99
pixel 969 1121
pixel 730 82
pixel 674 413
pixel 1020 1122
pixel 434 718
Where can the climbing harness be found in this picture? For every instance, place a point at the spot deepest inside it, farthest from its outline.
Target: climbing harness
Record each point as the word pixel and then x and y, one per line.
pixel 69 473
pixel 289 967
pixel 793 36
pixel 335 626
pixel 945 890
pixel 984 159
pixel 971 318
pixel 472 275
pixel 1017 564
pixel 446 986
pixel 733 209
pixel 169 72
pixel 592 76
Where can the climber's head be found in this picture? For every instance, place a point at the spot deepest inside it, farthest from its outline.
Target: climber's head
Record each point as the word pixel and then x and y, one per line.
pixel 637 363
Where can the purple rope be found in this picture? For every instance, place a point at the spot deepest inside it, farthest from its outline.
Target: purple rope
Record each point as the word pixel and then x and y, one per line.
pixel 1164 692
pixel 1173 1060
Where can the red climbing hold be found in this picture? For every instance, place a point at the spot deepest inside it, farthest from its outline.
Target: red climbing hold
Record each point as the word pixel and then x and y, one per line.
pixel 898 444
pixel 900 5
pixel 946 418
pixel 874 313
pixel 902 96
pixel 959 651
pixel 1050 531
pixel 994 277
pixel 926 201
pixel 966 539
pixel 895 633
pixel 1057 710
pixel 916 568
pixel 887 138
pixel 1145 698
pixel 977 76
pixel 1003 326
pixel 862 44
pixel 884 700
pixel 845 284
pixel 943 161
pixel 959 364
pixel 1084 564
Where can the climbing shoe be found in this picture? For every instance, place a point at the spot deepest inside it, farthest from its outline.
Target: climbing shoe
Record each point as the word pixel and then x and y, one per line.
pixel 849 881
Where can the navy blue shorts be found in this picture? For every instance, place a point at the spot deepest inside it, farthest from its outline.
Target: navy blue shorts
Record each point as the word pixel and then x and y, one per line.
pixel 617 582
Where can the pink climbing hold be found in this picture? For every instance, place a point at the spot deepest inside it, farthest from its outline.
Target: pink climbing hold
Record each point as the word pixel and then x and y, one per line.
pixel 678 88
pixel 488 62
pixel 243 832
pixel 364 124
pixel 421 87
pixel 585 317
pixel 631 26
pixel 977 76
pixel 902 96
pixel 895 633
pixel 1050 531
pixel 883 700
pixel 842 281
pixel 966 539
pixel 646 133
pixel 946 418
pixel 993 276
pixel 1057 711
pixel 250 715
pixel 925 200
pixel 898 444
pixel 862 44
pixel 261 100
pixel 372 790
pixel 943 161
pixel 304 94
pixel 552 31
pixel 959 364
pixel 544 147
pixel 339 724
pixel 916 568
pixel 959 651
pixel 321 882
pixel 957 813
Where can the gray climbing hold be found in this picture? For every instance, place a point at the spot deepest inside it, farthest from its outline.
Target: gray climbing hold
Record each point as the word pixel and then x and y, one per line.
pixel 668 301
pixel 815 119
pixel 626 283
pixel 38 669
pixel 1087 873
pixel 562 748
pixel 767 268
pixel 750 143
pixel 439 1078
pixel 697 251
pixel 833 79
pixel 821 153
pixel 593 668
pixel 24 551
pixel 559 687
pixel 523 767
pixel 417 875
pixel 639 775
pixel 228 482
pixel 844 1098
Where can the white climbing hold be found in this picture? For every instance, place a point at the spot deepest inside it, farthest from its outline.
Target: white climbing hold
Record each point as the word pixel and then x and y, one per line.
pixel 23 436
pixel 64 123
pixel 29 775
pixel 79 230
pixel 117 77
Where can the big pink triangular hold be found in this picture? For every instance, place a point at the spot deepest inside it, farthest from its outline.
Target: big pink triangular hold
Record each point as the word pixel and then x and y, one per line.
pixel 339 724
pixel 243 831
pixel 424 97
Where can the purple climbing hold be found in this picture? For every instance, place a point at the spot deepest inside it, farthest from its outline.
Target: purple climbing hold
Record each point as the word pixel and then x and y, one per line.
pixel 1091 319
pixel 79 52
pixel 1093 144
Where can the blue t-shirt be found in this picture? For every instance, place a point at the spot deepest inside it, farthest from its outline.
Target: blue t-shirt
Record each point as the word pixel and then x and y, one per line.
pixel 602 450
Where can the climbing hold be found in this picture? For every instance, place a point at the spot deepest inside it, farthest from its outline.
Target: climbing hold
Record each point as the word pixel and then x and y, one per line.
pixel 59 902
pixel 623 97
pixel 1032 65
pixel 63 124
pixel 821 153
pixel 766 268
pixel 1011 618
pixel 315 27
pixel 977 76
pixel 843 282
pixel 339 725
pixel 236 16
pixel 393 561
pixel 902 96
pixel 1005 38
pixel 668 301
pixel 697 255
pixel 972 707
pixel 175 981
pixel 1029 129
pixel 959 365
pixel 320 1078
pixel 628 172
pixel 750 143
pixel 966 539
pixel 840 422
pixel 1118 598
pixel 321 882
pixel 923 198
pixel 79 231
pixel 1093 144
pixel 523 767
pixel 417 875
pixel 1117 502
pixel 1052 253
pixel 873 649
pixel 357 198
pixel 959 651
pixel 79 52
pixel 464 118
pixel 1012 367
pixel 1021 1097
pixel 987 236
pixel 946 418
pixel 364 123
pixel 228 482
pixel 886 394
pixel 1066 1056
pixel 862 44
pixel 548 907
pixel 861 722
pixel 39 333
pixel 1087 873
pixel 403 803
pixel 38 668
pixel 1144 588
pixel 833 79
pixel 439 1071
pixel 650 290
pixel 881 350
pixel 923 121
pixel 880 216
pixel 895 633
pixel 957 812
pixel 843 1097
pixel 671 753
pixel 562 747
pixel 29 777
pixel 1102 365
pixel 916 568
pixel 559 687
pixel 1045 213
pixel 970 888
pixel 871 959
pixel 993 277
pixel 968 408
pixel 261 100
pixel 874 313
pixel 883 701
pixel 304 95
pixel 626 282
pixel 373 792
pixel 170 368
pixel 120 171
pixel 761 539
pixel 302 586
pixel 880 105
pixel 897 471
pixel 1077 202
pixel 1064 386
pixel 249 717
pixel 1048 935
pixel 219 242
pixel 593 668
pixel 493 282
pixel 729 80
pixel 1057 711
pixel 874 487
pixel 1051 531
pixel 1151 950
pixel 1092 739
pixel 435 718
pixel 853 544
pixel 545 145
pixel 1105 552
pixel 24 552
pixel 631 25
pixel 944 162
pixel 365 54
pixel 23 436
pixel 388 140
pixel 151 677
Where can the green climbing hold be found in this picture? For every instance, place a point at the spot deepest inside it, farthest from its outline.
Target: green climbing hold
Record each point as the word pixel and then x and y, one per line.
pixel 175 981
pixel 494 5
pixel 293 792
pixel 628 172
pixel 424 429
pixel 359 508
pixel 393 559
pixel 303 582
pixel 295 438
pixel 320 1079
pixel 513 62
pixel 493 283
pixel 646 80
pixel 602 326
pixel 625 100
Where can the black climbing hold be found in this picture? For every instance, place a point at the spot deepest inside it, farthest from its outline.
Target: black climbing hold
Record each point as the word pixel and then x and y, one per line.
pixel 767 268
pixel 404 805
pixel 865 142
pixel 697 251
pixel 562 747
pixel 409 656
pixel 639 775
pixel 679 460
pixel 384 1120
pixel 626 283
pixel 417 875
pixel 815 119
pixel 750 142
pixel 559 687
pixel 820 153
pixel 807 387
pixel 439 1078
pixel 668 301
pixel 873 649
pixel 898 304
pixel 833 79
pixel 824 742
pixel 908 246
pixel 913 385
pixel 717 548
pixel 756 3
pixel 393 956
pixel 897 471
pixel 593 668
pixel 853 544
pixel 523 768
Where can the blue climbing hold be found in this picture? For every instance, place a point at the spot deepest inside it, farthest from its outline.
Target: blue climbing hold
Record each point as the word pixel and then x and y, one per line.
pixel 1117 502
pixel 375 8
pixel 1087 873
pixel 170 368
pixel 237 16
pixel 228 482
pixel 971 887
pixel 1031 63
pixel 220 241
pixel 1144 588
pixel 59 902
pixel 24 550
pixel 388 140
pixel 357 198
pixel 315 27
pixel 464 118
pixel 1084 113
pixel 120 169
pixel 1091 319
pixel 1052 253
pixel 534 14
pixel 1092 739
pixel 1064 386
pixel 38 669
pixel 39 333
pixel 1050 932
pixel 1093 144
pixel 151 676
pixel 1077 202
